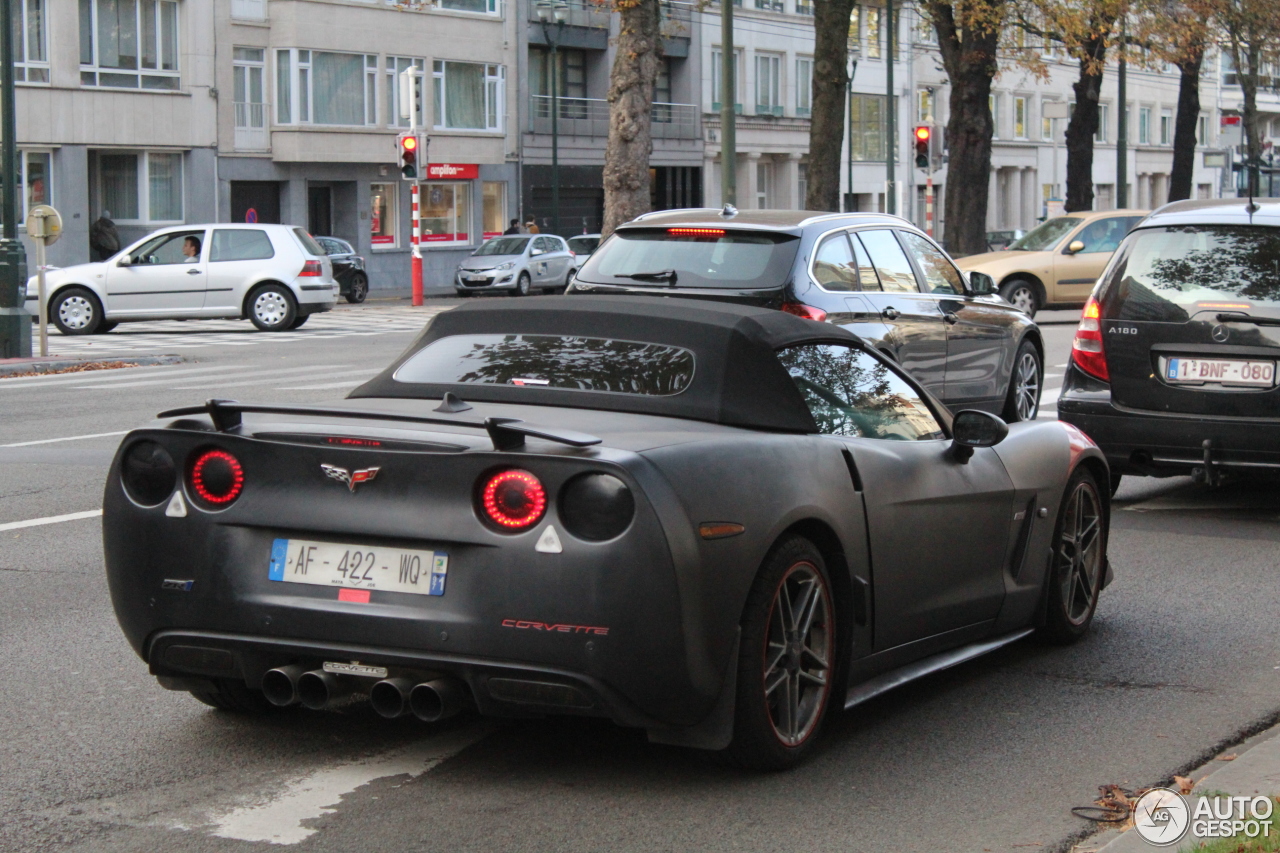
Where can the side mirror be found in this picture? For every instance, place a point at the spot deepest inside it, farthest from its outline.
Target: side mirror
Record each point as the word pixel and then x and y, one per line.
pixel 536 252
pixel 972 428
pixel 981 284
pixel 1075 246
pixel 125 261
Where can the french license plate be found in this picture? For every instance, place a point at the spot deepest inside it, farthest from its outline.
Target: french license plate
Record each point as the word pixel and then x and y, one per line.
pixel 358 566
pixel 1223 371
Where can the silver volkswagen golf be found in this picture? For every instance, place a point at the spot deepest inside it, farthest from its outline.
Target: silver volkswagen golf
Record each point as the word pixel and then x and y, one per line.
pixel 519 264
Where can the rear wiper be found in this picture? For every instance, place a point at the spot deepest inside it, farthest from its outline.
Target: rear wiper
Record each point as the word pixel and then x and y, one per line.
pixel 668 276
pixel 1241 317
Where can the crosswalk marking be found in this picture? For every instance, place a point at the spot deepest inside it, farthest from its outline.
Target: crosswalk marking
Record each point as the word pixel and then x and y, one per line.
pixel 65 438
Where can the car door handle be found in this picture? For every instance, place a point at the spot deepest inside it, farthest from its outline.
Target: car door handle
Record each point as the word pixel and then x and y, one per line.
pixel 891 313
pixel 951 319
pixel 193 272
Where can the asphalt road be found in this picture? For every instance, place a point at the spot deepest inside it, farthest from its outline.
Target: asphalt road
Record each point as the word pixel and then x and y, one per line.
pixel 989 756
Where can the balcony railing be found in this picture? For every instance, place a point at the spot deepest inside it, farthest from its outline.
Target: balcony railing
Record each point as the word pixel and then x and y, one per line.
pixel 590 117
pixel 582 13
pixel 251 127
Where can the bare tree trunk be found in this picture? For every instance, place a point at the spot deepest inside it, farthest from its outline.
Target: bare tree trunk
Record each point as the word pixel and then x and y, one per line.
pixel 1083 127
pixel 1184 131
pixel 826 123
pixel 1248 72
pixel 626 156
pixel 970 61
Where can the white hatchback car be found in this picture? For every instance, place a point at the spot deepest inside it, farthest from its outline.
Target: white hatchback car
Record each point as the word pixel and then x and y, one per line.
pixel 275 275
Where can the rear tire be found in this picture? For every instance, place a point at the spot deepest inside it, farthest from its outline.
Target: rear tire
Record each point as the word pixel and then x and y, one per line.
pixel 76 311
pixel 299 321
pixel 1026 382
pixel 1021 294
pixel 359 289
pixel 272 308
pixel 107 326
pixel 234 696
pixel 1078 563
pixel 786 660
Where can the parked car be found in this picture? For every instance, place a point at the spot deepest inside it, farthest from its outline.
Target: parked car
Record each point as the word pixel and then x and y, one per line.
pixel 663 512
pixel 348 269
pixel 877 275
pixel 519 264
pixel 1173 368
pixel 999 240
pixel 583 245
pixel 274 275
pixel 1057 263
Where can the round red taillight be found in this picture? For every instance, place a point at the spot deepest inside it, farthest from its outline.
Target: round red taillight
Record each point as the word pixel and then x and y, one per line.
pixel 217 477
pixel 513 499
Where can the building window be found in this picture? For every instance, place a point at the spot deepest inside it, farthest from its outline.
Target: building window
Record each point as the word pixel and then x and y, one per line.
pixel 804 7
pixel 764 184
pixel 1101 135
pixel 483 7
pixel 1144 125
pixel 468 95
pixel 248 75
pixel 872 14
pixel 33 180
pixel 1202 130
pixel 494 211
pixel 993 104
pixel 661 111
pixel 320 87
pixel 140 187
pixel 771 5
pixel 925 33
pixel 1019 117
pixel 1166 127
pixel 396 65
pixel 768 85
pixel 129 44
pixel 30 42
pixel 446 213
pixel 717 66
pixel 867 127
pixel 803 189
pixel 384 216
pixel 804 87
pixel 924 106
pixel 1046 123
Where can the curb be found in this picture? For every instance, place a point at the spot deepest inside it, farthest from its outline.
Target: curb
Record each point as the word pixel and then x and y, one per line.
pixel 22 366
pixel 1254 771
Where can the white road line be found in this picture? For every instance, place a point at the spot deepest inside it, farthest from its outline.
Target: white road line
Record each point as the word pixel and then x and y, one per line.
pixel 89 376
pixel 279 819
pixel 324 387
pixel 67 438
pixel 52 519
pixel 253 371
pixel 324 374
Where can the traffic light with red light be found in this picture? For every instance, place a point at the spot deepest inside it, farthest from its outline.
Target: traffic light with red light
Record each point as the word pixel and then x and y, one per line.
pixel 923 138
pixel 408 147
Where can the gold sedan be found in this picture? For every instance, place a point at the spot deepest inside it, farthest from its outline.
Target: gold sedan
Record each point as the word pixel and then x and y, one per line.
pixel 1056 264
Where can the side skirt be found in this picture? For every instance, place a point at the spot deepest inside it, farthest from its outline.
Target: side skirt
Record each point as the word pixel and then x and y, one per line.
pixel 885 682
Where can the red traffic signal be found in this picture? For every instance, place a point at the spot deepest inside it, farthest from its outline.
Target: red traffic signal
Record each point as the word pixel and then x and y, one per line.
pixel 408 144
pixel 923 135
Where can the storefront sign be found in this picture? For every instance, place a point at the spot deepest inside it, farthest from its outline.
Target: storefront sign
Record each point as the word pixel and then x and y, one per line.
pixel 444 238
pixel 447 171
pixel 383 240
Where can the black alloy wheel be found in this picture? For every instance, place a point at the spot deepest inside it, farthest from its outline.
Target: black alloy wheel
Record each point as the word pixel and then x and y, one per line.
pixel 76 311
pixel 1078 561
pixel 359 289
pixel 787 659
pixel 1022 403
pixel 1021 294
pixel 522 285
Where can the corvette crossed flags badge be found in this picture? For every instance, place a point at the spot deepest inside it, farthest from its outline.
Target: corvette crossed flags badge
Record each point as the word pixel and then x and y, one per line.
pixel 351 478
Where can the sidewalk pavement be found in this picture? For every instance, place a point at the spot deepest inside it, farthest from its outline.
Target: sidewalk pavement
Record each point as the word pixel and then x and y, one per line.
pixel 1255 771
pixel 53 363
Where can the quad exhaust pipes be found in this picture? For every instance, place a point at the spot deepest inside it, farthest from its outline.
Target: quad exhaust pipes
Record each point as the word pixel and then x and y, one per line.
pixel 429 701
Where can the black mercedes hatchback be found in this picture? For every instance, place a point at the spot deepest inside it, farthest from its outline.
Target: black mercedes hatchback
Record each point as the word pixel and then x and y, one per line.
pixel 1173 368
pixel 877 275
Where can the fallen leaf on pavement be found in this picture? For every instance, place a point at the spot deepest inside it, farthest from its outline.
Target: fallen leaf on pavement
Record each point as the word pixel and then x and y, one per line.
pixel 1231 757
pixel 1184 784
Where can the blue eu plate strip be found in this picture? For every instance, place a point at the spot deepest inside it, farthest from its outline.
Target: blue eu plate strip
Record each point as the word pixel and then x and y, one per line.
pixel 279 556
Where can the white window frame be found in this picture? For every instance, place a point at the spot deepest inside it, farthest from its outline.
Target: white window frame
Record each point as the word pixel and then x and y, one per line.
pixel 926 106
pixel 297 105
pixel 24 197
pixel 993 103
pixel 91 72
pixel 26 69
pixel 1102 135
pixel 1202 130
pixel 493 9
pixel 1020 123
pixel 769 84
pixel 804 85
pixel 392 80
pixel 393 213
pixel 495 80
pixel 1144 125
pixel 1166 127
pixel 717 64
pixel 144 187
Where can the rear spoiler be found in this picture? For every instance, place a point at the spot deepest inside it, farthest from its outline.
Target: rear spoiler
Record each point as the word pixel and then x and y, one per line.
pixel 505 433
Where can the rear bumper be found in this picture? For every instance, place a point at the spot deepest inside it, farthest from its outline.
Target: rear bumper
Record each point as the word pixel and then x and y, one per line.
pixel 1164 444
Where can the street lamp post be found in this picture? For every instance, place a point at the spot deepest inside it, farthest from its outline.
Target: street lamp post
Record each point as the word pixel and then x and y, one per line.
pixel 558 12
pixel 15 323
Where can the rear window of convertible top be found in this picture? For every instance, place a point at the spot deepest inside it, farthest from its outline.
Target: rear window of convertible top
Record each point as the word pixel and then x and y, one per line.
pixel 552 361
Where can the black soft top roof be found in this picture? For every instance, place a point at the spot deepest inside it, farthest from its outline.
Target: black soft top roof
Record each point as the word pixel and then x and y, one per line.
pixel 737 380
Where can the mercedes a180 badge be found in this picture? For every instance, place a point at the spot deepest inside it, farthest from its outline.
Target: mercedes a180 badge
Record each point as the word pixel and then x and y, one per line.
pixel 351 478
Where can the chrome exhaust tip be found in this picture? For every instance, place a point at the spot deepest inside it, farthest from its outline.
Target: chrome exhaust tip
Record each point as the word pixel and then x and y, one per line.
pixel 390 697
pixel 438 699
pixel 318 690
pixel 280 685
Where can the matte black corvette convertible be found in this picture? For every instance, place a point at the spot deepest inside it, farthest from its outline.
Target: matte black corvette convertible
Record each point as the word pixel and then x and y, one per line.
pixel 709 521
